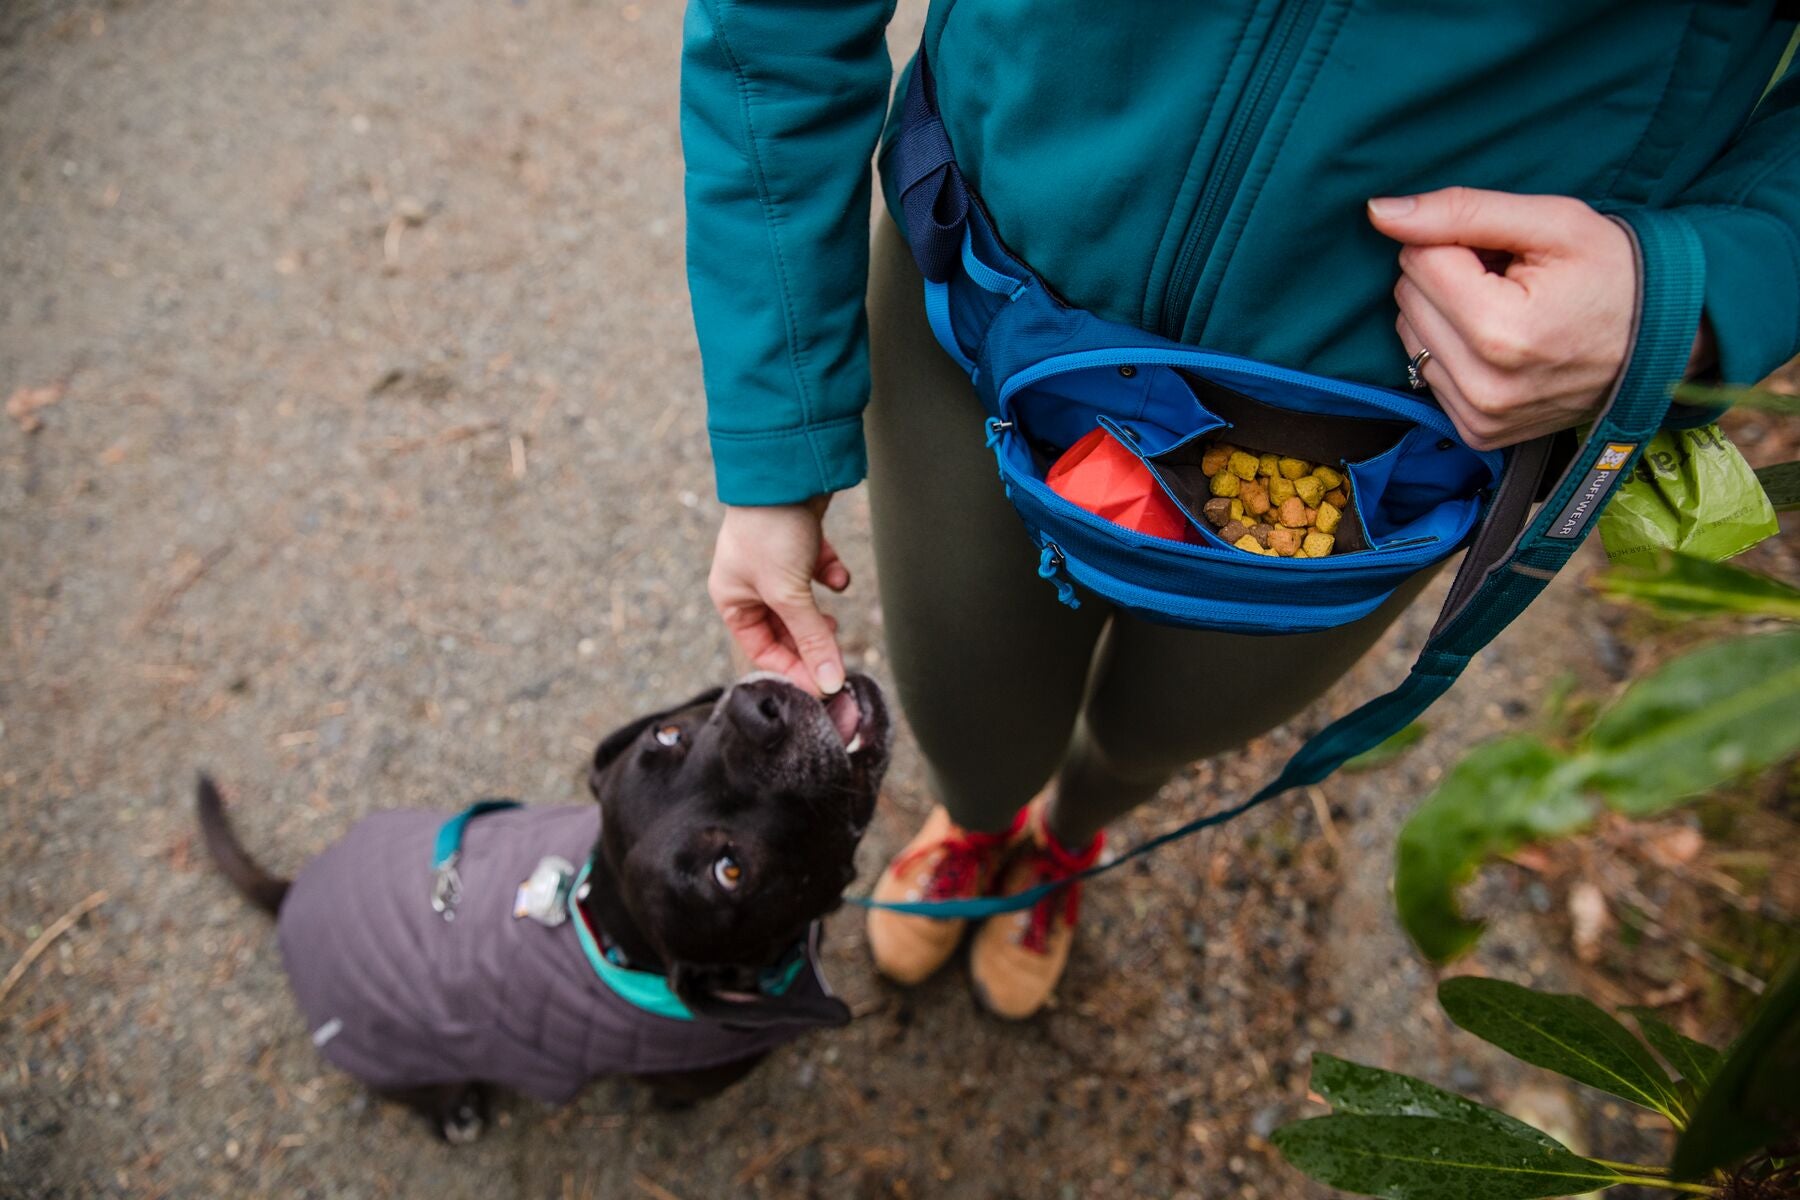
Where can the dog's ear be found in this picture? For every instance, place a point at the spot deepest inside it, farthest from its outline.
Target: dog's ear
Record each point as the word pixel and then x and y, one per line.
pixel 614 743
pixel 717 994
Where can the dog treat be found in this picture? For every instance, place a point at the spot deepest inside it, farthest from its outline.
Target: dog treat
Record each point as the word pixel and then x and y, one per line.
pixel 1255 497
pixel 1264 503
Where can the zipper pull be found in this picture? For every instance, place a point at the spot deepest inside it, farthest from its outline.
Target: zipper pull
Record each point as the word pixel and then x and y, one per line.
pixel 996 427
pixel 1050 566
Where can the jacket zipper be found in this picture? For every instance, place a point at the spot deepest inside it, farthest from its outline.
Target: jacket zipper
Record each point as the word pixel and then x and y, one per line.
pixel 1243 135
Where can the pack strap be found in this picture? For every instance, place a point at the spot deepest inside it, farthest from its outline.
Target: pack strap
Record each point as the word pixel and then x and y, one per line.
pixel 1513 554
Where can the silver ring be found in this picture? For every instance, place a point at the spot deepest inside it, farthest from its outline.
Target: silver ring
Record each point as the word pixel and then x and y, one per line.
pixel 1414 368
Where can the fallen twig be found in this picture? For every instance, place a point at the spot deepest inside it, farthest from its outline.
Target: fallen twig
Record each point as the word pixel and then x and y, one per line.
pixel 57 928
pixel 1326 824
pixel 211 559
pixel 653 1189
pixel 456 433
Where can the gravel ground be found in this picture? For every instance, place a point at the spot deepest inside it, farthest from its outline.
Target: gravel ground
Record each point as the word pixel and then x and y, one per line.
pixel 375 476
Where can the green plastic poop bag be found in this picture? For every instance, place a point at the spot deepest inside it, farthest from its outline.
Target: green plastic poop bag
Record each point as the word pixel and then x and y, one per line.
pixel 1692 492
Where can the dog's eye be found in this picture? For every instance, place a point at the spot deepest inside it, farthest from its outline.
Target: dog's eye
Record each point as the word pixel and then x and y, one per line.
pixel 669 735
pixel 727 873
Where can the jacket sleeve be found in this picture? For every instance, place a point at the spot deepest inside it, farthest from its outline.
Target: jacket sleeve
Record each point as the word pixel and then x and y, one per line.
pixel 782 102
pixel 1746 209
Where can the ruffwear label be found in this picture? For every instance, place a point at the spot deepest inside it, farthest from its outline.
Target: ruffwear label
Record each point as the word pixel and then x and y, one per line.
pixel 1590 497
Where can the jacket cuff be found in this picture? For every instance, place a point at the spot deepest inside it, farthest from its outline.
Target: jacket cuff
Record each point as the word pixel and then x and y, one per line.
pixel 788 466
pixel 1752 288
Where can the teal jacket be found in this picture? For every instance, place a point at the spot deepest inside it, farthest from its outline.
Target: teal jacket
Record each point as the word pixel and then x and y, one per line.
pixel 1199 167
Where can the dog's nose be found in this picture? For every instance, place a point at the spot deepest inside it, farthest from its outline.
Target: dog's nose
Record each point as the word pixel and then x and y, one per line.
pixel 759 709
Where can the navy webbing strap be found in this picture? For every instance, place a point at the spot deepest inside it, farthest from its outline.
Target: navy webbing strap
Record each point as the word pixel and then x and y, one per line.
pixel 1511 558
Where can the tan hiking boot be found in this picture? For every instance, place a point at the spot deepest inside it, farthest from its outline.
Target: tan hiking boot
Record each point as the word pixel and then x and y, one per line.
pixel 1017 958
pixel 942 862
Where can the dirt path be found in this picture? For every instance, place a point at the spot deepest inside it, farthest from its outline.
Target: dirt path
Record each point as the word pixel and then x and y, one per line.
pixel 377 478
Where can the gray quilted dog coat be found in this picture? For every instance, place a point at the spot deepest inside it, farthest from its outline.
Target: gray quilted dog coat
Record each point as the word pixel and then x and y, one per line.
pixel 400 998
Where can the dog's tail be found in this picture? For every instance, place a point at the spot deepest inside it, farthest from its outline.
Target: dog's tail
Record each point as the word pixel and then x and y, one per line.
pixel 258 886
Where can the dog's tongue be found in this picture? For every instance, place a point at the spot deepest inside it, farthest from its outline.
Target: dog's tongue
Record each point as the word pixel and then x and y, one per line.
pixel 845 713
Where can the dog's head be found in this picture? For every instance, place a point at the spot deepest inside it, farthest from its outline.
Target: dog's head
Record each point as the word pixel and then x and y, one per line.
pixel 731 822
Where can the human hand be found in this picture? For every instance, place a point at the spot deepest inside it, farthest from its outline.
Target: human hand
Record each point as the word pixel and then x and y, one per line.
pixel 763 569
pixel 1525 303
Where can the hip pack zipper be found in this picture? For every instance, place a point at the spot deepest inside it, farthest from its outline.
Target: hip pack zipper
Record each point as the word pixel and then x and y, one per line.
pixel 1275 61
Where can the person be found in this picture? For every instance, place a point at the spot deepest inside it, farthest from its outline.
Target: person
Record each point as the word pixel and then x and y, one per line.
pixel 1238 174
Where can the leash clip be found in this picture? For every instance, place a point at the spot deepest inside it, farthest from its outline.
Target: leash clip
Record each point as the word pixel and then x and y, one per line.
pixel 446 888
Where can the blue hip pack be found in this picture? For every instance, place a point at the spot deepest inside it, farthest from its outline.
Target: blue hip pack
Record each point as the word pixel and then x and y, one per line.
pixel 1049 374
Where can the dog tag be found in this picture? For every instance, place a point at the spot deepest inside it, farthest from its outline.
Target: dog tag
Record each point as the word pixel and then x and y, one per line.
pixel 545 896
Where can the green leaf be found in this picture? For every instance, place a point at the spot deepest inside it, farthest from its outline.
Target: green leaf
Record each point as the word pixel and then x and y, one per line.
pixel 1705 395
pixel 1381 755
pixel 1498 797
pixel 1429 1158
pixel 1696 1061
pixel 1681 583
pixel 1781 482
pixel 1570 1035
pixel 1369 1091
pixel 1703 719
pixel 1752 1101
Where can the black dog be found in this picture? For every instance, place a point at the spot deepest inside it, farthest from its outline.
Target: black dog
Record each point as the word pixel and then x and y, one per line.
pixel 432 966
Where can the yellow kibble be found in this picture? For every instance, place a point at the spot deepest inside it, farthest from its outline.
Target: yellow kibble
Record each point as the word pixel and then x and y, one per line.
pixel 1294 468
pixel 1310 490
pixel 1328 477
pixel 1281 489
pixel 1243 465
pixel 1268 464
pixel 1318 545
pixel 1247 542
pixel 1339 497
pixel 1329 515
pixel 1225 484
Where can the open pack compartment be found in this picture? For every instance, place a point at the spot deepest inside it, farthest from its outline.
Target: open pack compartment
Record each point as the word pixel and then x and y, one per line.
pixel 1409 483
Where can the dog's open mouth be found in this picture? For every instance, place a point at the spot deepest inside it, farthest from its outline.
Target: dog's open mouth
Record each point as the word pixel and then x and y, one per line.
pixel 853 715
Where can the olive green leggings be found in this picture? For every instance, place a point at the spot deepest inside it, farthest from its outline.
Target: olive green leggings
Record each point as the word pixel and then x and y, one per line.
pixel 1005 687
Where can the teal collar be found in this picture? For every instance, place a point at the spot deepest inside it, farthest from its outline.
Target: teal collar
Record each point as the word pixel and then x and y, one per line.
pixel 646 989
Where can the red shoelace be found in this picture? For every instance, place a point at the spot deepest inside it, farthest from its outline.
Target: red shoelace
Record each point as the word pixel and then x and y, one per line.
pixel 1051 863
pixel 961 860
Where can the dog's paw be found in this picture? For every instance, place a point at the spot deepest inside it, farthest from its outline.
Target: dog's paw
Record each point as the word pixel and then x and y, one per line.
pixel 464 1123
